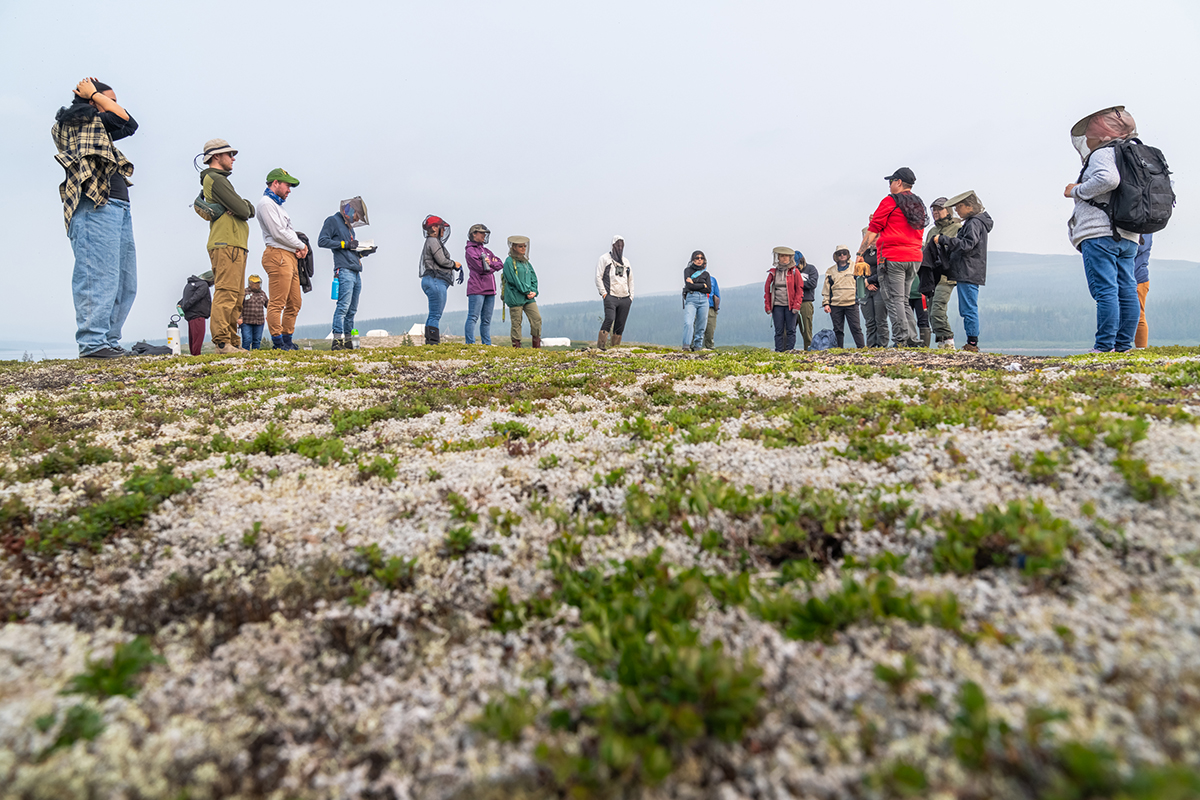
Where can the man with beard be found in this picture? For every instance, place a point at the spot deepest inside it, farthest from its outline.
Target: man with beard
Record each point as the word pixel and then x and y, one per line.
pixel 896 228
pixel 228 243
pixel 614 281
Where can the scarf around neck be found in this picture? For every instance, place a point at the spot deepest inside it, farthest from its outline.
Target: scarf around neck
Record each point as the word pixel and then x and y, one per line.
pixel 278 200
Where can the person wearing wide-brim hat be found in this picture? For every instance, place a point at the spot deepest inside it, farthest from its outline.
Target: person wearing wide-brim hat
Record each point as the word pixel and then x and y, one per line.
pixel 966 253
pixel 228 243
pixel 519 285
pixel 783 294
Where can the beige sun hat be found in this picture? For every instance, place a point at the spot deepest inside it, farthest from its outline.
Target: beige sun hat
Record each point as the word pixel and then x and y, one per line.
pixel 967 195
pixel 840 248
pixel 1080 128
pixel 784 251
pixel 214 147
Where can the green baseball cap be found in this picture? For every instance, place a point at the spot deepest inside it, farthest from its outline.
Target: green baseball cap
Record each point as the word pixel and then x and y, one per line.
pixel 281 174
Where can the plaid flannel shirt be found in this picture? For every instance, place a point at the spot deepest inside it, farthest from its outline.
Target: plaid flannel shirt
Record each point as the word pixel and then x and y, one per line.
pixel 90 158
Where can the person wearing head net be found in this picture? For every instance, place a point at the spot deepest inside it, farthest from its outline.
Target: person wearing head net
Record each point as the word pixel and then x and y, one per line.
pixel 519 285
pixel 483 265
pixel 437 271
pixel 1108 251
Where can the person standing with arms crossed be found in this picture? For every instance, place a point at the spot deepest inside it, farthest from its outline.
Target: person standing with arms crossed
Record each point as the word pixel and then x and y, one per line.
pixel 228 244
pixel 279 259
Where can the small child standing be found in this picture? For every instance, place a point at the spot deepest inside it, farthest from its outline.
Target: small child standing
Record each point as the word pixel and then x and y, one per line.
pixel 196 305
pixel 839 296
pixel 254 317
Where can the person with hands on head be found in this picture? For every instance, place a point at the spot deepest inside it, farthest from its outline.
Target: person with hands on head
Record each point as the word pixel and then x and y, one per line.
pixel 96 213
pixel 280 259
pixel 481 285
pixel 228 243
pixel 437 272
pixel 614 282
pixel 783 294
pixel 697 285
pixel 520 286
pixel 337 234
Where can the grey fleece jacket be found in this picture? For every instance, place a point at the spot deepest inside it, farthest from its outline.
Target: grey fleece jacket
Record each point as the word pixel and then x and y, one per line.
pixel 1099 180
pixel 436 261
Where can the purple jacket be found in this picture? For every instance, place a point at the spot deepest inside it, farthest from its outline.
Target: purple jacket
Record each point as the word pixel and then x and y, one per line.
pixel 482 263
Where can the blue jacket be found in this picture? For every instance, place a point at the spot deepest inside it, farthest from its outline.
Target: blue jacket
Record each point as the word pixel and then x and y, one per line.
pixel 336 235
pixel 716 292
pixel 1141 262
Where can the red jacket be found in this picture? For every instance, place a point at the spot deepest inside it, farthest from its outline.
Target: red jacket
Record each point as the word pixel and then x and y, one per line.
pixel 898 241
pixel 795 287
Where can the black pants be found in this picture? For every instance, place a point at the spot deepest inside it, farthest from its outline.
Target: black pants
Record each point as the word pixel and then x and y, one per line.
pixel 849 314
pixel 918 307
pixel 785 328
pixel 616 310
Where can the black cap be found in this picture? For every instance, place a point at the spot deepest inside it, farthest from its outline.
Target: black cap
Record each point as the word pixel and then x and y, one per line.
pixel 939 203
pixel 903 174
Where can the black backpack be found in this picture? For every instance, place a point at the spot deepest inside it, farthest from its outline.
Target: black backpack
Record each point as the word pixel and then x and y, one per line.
pixel 1144 200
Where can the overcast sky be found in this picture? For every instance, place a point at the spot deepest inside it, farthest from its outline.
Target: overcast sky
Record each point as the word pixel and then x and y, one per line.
pixel 722 126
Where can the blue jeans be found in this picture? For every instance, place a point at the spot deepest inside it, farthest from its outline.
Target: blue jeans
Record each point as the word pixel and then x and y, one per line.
pixel 479 309
pixel 349 286
pixel 435 290
pixel 695 318
pixel 251 336
pixel 968 308
pixel 785 328
pixel 1109 269
pixel 105 279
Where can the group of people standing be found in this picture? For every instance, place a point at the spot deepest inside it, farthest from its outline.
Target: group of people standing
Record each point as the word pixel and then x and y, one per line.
pixel 900 275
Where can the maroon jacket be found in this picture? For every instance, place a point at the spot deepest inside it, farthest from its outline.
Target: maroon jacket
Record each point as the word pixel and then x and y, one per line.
pixel 254 305
pixel 795 287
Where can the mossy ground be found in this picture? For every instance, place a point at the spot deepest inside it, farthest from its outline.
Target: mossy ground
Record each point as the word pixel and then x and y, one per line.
pixel 480 571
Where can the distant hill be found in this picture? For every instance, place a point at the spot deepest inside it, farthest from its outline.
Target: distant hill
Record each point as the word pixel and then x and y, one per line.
pixel 1030 301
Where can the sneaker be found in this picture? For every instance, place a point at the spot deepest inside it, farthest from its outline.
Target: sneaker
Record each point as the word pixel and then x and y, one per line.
pixel 971 348
pixel 105 352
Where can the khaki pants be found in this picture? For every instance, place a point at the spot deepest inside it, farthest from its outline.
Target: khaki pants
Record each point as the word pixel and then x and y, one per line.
pixel 535 319
pixel 283 290
pixel 939 319
pixel 805 316
pixel 1141 337
pixel 229 278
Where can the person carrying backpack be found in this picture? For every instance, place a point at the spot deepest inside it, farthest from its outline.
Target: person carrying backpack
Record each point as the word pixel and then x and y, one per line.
pixel 1116 200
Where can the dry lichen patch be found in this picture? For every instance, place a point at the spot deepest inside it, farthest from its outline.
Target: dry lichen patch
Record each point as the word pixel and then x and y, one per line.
pixel 304 657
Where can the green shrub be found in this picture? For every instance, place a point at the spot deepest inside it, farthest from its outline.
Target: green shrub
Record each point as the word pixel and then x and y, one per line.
pixel 80 722
pixel 1023 531
pixel 378 467
pixel 459 541
pixel 506 718
pixel 118 676
pixel 1144 486
pixel 65 461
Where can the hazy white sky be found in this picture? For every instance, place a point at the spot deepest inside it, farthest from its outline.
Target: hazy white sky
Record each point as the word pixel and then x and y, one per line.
pixel 727 127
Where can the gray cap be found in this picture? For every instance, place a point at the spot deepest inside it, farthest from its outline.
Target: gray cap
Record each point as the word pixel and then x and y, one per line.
pixel 939 203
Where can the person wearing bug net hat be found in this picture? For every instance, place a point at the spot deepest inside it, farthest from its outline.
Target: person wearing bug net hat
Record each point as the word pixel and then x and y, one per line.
pixel 1108 251
pixel 520 286
pixel 783 294
pixel 437 271
pixel 337 234
pixel 483 265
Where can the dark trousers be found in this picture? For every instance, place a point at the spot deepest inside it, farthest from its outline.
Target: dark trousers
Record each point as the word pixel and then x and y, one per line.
pixel 849 314
pixel 805 321
pixel 874 312
pixel 785 328
pixel 616 310
pixel 918 307
pixel 195 335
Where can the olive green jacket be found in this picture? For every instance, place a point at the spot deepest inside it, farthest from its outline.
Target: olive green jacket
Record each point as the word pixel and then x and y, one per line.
pixel 231 229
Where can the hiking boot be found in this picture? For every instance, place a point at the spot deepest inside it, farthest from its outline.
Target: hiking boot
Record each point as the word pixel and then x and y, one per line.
pixel 337 343
pixel 947 344
pixel 616 340
pixel 229 350
pixel 105 352
pixel 276 341
pixel 435 335
pixel 537 342
pixel 926 335
pixel 971 348
pixel 287 342
pixel 348 342
pixel 602 340
pixel 516 342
